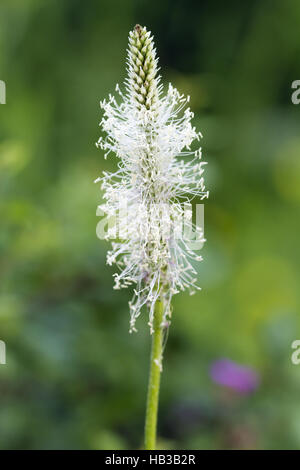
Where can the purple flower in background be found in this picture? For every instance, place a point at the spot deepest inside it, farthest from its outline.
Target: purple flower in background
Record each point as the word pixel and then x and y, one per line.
pixel 235 376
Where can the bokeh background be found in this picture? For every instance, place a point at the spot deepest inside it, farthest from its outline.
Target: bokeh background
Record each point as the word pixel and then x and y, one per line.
pixel 75 378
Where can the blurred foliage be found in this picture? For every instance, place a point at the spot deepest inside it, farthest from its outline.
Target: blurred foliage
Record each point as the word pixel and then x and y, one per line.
pixel 74 377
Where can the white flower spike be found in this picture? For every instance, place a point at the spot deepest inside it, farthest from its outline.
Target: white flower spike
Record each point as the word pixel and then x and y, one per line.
pixel 158 175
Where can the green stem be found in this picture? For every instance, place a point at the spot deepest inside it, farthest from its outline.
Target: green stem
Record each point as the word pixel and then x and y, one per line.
pixel 154 377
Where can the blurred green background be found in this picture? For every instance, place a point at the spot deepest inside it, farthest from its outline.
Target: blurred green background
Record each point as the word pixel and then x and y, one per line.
pixel 75 378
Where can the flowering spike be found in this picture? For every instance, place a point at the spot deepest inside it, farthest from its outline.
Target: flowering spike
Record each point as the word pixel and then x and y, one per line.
pixel 151 134
pixel 142 68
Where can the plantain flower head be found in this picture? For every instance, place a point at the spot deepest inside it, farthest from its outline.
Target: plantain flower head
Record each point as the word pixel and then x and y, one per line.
pixel 150 132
